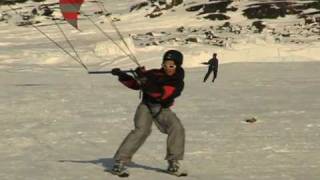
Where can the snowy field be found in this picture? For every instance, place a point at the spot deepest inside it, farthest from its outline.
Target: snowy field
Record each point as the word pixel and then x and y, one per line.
pixel 65 124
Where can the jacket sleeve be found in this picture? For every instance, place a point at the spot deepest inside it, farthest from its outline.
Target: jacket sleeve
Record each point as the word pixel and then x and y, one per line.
pixel 129 82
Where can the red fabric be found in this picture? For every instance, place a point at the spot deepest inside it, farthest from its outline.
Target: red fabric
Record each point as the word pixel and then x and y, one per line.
pixel 70 15
pixel 71 1
pixel 168 91
pixel 155 95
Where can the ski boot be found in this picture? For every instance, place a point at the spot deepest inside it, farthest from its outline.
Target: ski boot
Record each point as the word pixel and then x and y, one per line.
pixel 174 169
pixel 119 169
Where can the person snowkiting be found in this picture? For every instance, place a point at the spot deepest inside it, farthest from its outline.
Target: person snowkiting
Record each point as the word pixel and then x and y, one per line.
pixel 212 67
pixel 160 87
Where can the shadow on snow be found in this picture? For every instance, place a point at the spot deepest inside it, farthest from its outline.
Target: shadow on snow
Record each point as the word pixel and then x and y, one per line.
pixel 107 163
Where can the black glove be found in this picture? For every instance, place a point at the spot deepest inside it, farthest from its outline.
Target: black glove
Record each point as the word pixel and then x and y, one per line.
pixel 140 75
pixel 140 71
pixel 122 75
pixel 116 72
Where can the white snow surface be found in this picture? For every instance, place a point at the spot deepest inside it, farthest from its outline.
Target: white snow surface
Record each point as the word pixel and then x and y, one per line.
pixel 59 123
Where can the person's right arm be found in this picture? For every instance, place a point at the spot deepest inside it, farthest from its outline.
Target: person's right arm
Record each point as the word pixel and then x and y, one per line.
pixel 126 79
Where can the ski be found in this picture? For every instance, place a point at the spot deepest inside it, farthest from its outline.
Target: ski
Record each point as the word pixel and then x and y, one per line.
pixel 122 174
pixel 178 173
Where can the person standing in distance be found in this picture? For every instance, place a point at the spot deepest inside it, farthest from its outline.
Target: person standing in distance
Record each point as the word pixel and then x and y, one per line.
pixel 212 67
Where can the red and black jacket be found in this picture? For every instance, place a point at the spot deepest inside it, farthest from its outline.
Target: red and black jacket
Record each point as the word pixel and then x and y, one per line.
pixel 159 88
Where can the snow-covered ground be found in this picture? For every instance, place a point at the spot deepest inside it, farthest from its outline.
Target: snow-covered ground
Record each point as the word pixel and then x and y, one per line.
pixel 65 124
pixel 58 122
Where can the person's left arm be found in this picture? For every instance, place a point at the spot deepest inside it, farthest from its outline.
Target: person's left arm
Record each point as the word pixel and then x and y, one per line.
pixel 216 64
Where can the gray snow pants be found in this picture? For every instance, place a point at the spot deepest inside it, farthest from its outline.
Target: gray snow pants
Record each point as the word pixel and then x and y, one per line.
pixel 167 122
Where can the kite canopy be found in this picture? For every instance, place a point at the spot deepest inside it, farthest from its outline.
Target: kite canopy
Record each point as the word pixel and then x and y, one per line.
pixel 70 10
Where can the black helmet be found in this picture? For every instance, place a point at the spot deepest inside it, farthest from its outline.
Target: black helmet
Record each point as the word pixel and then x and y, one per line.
pixel 173 55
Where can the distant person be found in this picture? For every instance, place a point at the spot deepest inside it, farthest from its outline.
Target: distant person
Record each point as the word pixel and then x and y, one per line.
pixel 212 67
